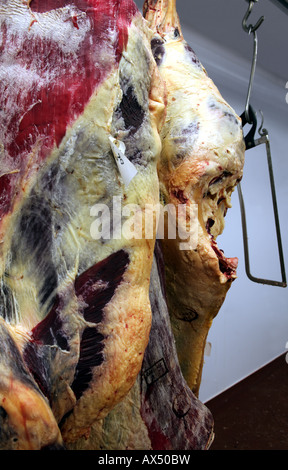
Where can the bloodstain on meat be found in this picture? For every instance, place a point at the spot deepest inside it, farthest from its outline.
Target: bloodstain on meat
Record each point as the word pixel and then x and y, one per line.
pixel 90 356
pixel 96 287
pixel 49 330
pixel 179 194
pixel 41 7
pixel 227 266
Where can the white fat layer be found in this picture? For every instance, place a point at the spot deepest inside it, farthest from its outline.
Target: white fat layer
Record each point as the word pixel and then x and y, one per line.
pixel 57 25
pixel 199 120
pixel 23 25
pixel 201 131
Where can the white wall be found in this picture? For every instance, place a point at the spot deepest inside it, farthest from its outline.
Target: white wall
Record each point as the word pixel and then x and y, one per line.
pixel 251 329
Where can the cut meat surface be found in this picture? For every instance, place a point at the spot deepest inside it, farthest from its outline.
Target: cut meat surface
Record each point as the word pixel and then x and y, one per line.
pixel 75 299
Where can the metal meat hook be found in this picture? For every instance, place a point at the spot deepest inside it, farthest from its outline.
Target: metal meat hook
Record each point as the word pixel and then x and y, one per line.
pixel 249 117
pixel 251 142
pixel 251 29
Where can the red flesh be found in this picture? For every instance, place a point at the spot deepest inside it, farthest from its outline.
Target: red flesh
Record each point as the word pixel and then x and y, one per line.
pixel 44 113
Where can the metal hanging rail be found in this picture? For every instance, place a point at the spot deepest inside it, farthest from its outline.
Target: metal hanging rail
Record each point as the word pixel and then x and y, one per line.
pixel 249 117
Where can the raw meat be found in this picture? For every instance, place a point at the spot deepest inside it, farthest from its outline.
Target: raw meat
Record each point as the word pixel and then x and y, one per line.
pixel 160 412
pixel 174 417
pixel 201 162
pixel 77 77
pixel 26 419
pixel 80 86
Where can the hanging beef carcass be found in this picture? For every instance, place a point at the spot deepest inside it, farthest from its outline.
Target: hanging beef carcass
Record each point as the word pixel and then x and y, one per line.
pixel 78 83
pixel 160 412
pixel 201 162
pixel 160 401
pixel 66 356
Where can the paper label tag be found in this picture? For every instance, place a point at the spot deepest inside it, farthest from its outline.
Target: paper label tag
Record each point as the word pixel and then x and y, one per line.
pixel 126 169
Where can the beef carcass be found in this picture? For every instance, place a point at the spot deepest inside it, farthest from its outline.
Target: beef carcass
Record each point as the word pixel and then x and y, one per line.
pixel 174 417
pixel 201 162
pixel 160 412
pixel 78 81
pixel 26 419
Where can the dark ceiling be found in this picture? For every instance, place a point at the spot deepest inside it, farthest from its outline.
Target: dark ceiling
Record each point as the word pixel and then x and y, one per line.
pixel 221 22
